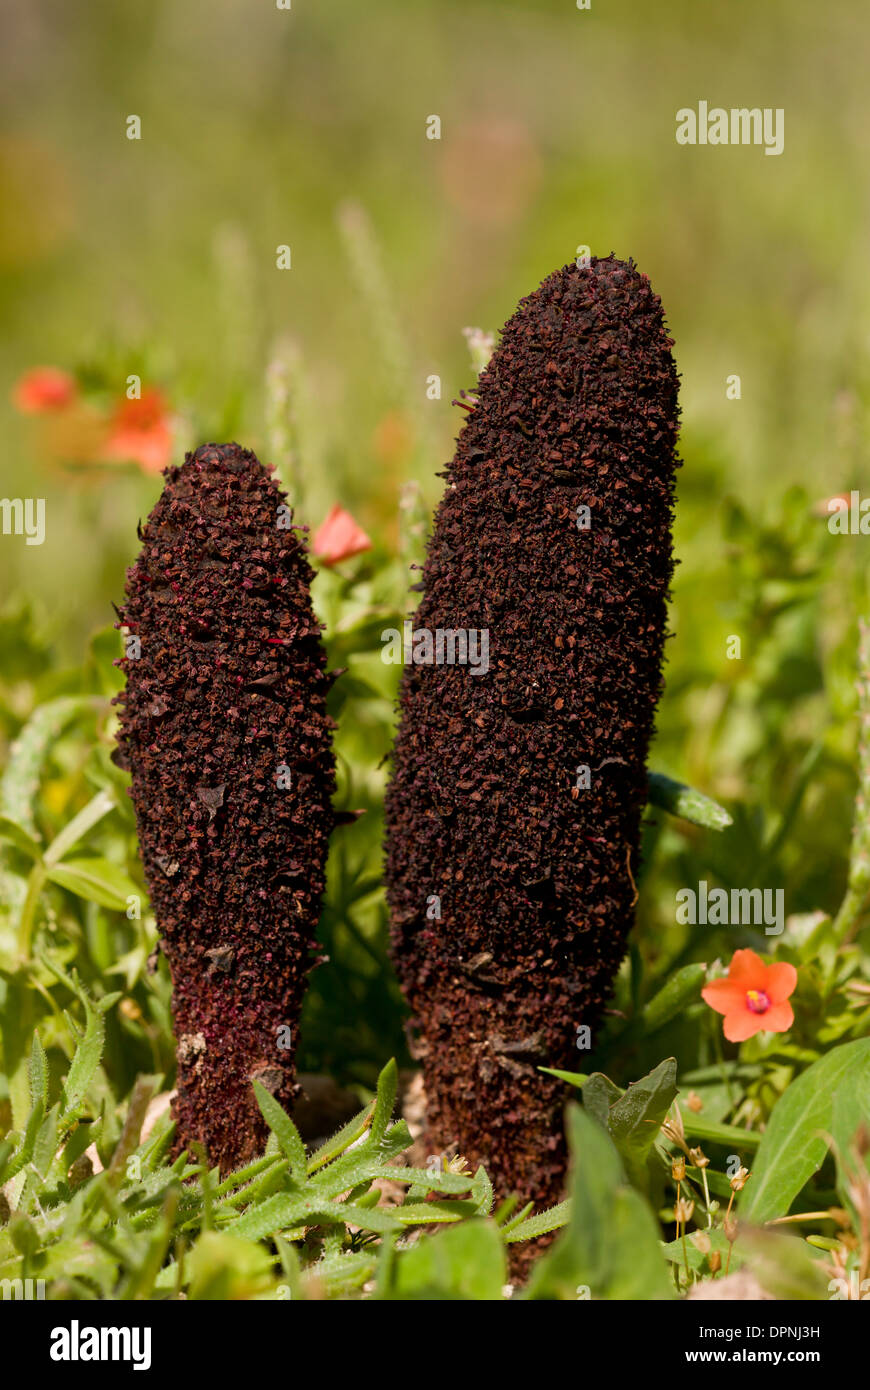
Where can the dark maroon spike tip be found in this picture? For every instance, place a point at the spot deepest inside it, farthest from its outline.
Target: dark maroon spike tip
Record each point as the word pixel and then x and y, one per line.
pixel 487 811
pixel 229 744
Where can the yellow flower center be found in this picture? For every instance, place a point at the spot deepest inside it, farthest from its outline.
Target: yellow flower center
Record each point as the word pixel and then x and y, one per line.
pixel 757 1001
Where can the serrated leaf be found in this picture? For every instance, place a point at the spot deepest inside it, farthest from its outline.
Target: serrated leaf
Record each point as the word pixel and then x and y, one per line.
pixel 433 1213
pixel 530 1227
pixel 360 1163
pixel 338 1274
pixel 107 1001
pixel 24 1152
pixel 240 1176
pixel 380 1219
pixel 89 1049
pixel 346 1136
pixel 281 1125
pixel 482 1192
pixel 388 1083
pixel 421 1179
pixel 46 1143
pixel 38 1072
pixel 276 1213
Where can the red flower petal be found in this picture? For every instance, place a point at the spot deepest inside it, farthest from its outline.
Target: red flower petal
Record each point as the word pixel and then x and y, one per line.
pixel 743 1024
pixel 781 981
pixel 42 389
pixel 778 1019
pixel 724 996
pixel 747 969
pixel 339 537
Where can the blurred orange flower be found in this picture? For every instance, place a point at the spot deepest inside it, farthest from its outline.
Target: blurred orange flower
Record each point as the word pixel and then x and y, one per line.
pixel 139 431
pixel 490 169
pixel 753 997
pixel 393 438
pixel 42 389
pixel 339 537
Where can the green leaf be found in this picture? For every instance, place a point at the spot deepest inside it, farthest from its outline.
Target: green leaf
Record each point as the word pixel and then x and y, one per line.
pixel 361 1163
pixel 679 800
pixel 20 782
pixel 796 1140
pixel 285 1210
pixel 222 1266
pixel 388 1082
pixel 339 1274
pixel 99 806
pixel 379 1219
pixel 610 1247
pixel 533 1226
pixel 38 1072
pixel 421 1180
pixel 106 647
pixel 24 1153
pixel 86 1059
pixel 699 1128
pixel 636 1118
pixel 463 1262
pixel 279 1122
pixel 682 988
pixel 573 1078
pixel 16 835
pixel 783 1265
pixel 96 880
pixel 698 1260
pixel 46 1144
pixel 482 1192
pixel 432 1213
pixel 346 1136
pixel 599 1093
pixel 23 1234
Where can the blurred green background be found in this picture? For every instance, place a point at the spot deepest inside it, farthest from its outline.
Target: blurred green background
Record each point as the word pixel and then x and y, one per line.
pixel 262 128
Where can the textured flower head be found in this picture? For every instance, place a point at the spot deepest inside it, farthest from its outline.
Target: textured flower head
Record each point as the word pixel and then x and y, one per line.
pixel 753 996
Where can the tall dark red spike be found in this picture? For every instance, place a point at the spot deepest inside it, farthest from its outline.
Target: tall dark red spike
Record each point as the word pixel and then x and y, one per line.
pixel 224 728
pixel 516 795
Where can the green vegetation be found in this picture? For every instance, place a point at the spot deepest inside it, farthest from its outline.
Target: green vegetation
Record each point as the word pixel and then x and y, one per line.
pixel 157 259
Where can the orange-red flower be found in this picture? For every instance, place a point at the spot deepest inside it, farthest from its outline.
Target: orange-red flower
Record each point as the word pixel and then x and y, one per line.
pixel 139 432
pixel 339 537
pixel 42 389
pixel 753 997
